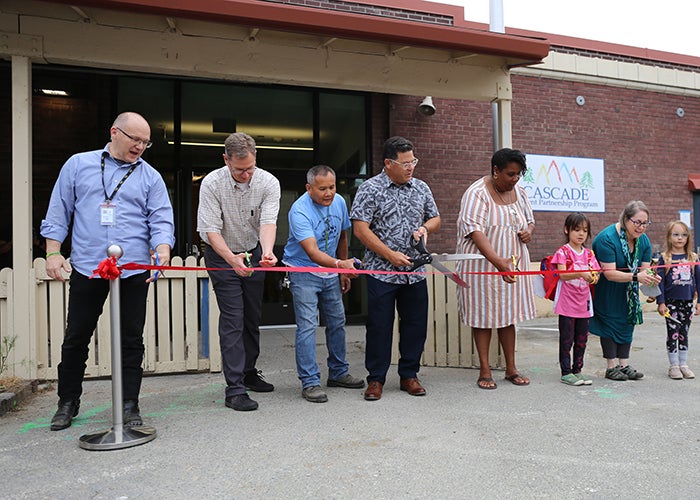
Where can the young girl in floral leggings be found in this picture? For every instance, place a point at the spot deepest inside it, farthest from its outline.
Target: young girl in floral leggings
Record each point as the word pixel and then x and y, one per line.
pixel 679 282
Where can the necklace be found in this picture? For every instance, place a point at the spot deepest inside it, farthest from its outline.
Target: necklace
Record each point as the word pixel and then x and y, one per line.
pixel 513 219
pixel 503 200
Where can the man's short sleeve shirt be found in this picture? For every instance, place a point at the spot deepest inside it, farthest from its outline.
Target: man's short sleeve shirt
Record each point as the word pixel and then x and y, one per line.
pixel 236 213
pixel 310 220
pixel 393 212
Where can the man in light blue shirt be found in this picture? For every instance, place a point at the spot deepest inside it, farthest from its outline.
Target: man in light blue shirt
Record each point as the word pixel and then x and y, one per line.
pixel 318 221
pixel 109 196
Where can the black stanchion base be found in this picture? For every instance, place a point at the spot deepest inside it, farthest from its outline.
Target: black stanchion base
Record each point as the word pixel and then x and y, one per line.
pixel 117 439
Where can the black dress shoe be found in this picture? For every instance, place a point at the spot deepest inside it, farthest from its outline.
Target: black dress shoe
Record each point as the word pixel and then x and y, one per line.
pixel 241 402
pixel 255 382
pixel 67 409
pixel 131 415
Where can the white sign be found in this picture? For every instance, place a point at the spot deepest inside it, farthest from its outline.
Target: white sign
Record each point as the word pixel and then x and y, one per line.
pixel 684 215
pixel 565 184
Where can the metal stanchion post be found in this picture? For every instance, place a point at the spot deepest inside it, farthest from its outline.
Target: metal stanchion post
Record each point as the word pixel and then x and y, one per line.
pixel 118 436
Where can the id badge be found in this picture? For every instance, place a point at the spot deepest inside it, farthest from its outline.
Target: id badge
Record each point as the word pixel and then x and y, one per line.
pixel 107 214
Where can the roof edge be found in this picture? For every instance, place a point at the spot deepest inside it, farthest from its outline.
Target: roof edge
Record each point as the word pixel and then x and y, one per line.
pixel 288 17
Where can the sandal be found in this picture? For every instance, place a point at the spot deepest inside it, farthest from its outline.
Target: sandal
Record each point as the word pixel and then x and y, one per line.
pixel 631 373
pixel 517 379
pixel 615 373
pixel 486 383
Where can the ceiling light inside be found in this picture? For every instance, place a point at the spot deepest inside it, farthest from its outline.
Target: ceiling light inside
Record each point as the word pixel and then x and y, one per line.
pixel 53 92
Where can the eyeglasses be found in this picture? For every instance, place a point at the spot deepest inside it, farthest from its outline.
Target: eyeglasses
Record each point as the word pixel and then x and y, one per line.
pixel 406 164
pixel 679 235
pixel 241 171
pixel 138 142
pixel 639 223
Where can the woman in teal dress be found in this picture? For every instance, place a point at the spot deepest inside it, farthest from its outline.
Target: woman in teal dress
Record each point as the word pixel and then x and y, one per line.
pixel 624 254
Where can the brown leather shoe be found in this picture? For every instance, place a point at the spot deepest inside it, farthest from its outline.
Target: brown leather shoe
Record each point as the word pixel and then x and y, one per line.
pixel 374 391
pixel 412 386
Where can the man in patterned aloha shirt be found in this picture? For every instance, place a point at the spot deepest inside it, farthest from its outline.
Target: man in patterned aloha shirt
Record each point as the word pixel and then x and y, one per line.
pixel 390 209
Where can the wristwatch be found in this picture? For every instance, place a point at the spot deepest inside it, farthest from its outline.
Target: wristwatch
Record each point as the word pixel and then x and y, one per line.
pixel 634 276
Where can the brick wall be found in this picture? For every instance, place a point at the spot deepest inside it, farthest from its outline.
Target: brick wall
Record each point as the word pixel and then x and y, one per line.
pixel 372 10
pixel 648 150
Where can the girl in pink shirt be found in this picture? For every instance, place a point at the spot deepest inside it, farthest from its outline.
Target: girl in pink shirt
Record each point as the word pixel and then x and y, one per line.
pixel 573 301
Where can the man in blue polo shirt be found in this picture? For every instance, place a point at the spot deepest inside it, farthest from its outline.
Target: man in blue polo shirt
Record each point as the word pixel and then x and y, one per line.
pixel 318 221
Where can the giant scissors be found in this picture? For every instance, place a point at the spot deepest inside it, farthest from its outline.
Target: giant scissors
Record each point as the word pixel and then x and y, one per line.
pixel 434 259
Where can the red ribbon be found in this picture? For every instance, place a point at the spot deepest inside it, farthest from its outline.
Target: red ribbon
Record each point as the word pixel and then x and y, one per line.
pixel 132 266
pixel 107 269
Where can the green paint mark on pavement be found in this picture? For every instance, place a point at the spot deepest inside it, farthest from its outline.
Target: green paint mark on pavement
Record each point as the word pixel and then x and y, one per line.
pixel 606 393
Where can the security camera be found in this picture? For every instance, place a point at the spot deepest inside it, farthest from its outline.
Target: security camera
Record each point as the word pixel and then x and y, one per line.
pixel 427 107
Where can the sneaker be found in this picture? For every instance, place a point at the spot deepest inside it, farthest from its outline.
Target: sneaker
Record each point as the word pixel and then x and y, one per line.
pixel 314 394
pixel 131 414
pixel 67 409
pixel 347 381
pixel 255 381
pixel 631 373
pixel 674 372
pixel 615 373
pixel 687 372
pixel 571 379
pixel 582 377
pixel 241 402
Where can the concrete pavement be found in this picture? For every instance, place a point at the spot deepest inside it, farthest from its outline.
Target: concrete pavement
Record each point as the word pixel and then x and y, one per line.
pixel 609 440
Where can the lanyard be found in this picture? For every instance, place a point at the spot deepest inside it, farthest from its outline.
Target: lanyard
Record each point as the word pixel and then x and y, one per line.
pixel 327 221
pixel 109 198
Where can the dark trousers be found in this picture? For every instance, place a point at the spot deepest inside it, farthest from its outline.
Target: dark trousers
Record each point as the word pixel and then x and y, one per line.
pixel 240 311
pixel 85 302
pixel 573 332
pixel 613 350
pixel 411 302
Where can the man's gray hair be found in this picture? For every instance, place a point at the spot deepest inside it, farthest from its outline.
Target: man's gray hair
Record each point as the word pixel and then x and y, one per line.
pixel 322 170
pixel 239 144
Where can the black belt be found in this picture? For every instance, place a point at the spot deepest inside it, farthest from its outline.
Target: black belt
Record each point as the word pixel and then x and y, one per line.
pixel 242 251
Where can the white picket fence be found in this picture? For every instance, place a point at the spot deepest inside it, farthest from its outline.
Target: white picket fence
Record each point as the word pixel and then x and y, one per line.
pixel 173 337
pixel 181 327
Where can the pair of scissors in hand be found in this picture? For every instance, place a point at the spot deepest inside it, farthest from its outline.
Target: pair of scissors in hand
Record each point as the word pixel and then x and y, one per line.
pixel 425 257
pixel 248 262
pixel 668 316
pixel 158 272
pixel 516 261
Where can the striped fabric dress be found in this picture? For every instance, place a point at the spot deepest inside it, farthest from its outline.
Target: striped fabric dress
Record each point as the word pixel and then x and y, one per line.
pixel 489 302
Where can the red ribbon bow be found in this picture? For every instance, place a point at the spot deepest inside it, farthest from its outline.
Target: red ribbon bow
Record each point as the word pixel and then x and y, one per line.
pixel 107 269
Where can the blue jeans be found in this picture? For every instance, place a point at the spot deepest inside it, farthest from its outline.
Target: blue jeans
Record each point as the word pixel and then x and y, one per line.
pixel 311 295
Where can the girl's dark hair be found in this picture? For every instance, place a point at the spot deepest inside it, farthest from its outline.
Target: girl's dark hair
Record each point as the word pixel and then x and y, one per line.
pixel 575 220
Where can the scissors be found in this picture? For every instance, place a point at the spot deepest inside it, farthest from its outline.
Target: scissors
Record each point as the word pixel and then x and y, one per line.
pixel 248 263
pixel 158 272
pixel 667 315
pixel 516 261
pixel 425 257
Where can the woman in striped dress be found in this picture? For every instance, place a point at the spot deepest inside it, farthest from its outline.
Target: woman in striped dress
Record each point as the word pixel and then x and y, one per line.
pixel 496 220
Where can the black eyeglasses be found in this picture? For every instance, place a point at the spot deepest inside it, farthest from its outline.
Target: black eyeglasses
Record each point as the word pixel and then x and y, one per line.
pixel 639 223
pixel 146 144
pixel 240 171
